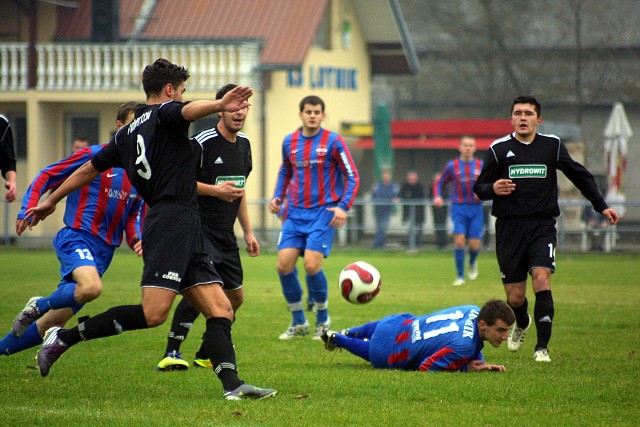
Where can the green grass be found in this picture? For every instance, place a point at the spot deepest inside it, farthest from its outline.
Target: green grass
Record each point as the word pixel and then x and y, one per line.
pixel 593 379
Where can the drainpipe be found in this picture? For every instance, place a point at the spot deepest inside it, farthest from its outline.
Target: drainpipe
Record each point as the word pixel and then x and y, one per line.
pixel 265 77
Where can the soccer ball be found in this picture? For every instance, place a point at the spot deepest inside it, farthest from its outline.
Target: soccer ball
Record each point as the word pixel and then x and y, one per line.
pixel 359 282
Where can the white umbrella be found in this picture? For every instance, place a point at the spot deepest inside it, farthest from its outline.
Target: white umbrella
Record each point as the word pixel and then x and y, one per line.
pixel 617 133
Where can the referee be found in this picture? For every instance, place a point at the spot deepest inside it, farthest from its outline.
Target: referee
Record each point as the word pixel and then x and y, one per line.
pixel 520 175
pixel 224 169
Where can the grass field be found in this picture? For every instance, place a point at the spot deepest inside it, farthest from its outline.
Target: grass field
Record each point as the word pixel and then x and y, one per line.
pixel 593 379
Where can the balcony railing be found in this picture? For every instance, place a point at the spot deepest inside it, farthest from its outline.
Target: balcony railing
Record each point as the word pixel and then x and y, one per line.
pixel 13 66
pixel 118 66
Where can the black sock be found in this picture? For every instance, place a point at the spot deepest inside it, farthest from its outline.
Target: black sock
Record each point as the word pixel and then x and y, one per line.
pixel 217 342
pixel 202 351
pixel 112 322
pixel 183 319
pixel 522 317
pixel 543 315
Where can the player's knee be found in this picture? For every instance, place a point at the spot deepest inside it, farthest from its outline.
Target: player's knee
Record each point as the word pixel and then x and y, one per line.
pixel 223 309
pixel 155 317
pixel 281 268
pixel 236 301
pixel 88 291
pixel 311 266
pixel 541 279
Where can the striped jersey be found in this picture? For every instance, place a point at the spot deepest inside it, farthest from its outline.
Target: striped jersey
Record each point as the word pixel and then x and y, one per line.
pixel 317 171
pixel 445 340
pixel 462 176
pixel 106 207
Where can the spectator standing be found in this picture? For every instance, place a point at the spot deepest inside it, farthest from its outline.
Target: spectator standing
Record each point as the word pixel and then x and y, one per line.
pixel 384 195
pixel 440 213
pixel 412 193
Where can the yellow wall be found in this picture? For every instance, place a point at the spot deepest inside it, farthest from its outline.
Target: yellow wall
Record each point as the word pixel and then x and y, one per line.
pixel 350 103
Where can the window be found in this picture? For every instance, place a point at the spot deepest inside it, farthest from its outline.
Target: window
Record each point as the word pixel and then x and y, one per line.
pixel 18 123
pixel 81 125
pixel 323 36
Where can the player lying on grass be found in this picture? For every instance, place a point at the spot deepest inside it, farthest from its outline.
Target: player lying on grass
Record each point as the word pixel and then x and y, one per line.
pixel 447 340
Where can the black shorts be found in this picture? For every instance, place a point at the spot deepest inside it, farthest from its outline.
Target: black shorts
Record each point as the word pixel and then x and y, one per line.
pixel 525 243
pixel 173 249
pixel 222 249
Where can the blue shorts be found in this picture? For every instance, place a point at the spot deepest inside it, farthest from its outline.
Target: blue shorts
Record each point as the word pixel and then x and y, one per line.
pixel 78 248
pixel 308 229
pixel 383 339
pixel 468 219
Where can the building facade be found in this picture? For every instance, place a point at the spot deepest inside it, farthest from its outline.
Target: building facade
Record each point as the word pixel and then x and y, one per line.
pixel 65 67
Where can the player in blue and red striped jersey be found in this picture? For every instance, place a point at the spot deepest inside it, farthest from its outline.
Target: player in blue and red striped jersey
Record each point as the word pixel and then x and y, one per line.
pixel 466 208
pixel 95 218
pixel 447 340
pixel 319 180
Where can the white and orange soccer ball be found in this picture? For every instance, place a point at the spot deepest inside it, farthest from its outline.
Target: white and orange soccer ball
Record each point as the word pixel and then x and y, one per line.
pixel 359 282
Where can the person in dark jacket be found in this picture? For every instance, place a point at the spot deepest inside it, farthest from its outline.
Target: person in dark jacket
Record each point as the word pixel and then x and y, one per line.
pixel 412 194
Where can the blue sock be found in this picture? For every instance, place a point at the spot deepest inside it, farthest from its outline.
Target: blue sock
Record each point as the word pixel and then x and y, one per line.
pixel 293 295
pixel 353 345
pixel 363 331
pixel 60 298
pixel 458 256
pixel 473 256
pixel 318 287
pixel 30 338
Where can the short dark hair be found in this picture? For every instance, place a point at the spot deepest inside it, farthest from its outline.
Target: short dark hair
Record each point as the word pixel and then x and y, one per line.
pixel 526 100
pixel 495 310
pixel 225 89
pixel 312 100
pixel 125 109
pixel 156 76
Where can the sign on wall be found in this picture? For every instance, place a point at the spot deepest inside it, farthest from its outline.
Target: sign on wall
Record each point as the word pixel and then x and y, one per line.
pixel 324 77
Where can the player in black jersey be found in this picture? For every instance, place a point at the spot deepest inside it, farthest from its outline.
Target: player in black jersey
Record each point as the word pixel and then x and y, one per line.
pixel 8 159
pixel 520 175
pixel 224 169
pixel 160 161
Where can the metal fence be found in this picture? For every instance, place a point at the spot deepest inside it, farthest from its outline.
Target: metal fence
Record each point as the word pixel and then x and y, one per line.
pixel 573 233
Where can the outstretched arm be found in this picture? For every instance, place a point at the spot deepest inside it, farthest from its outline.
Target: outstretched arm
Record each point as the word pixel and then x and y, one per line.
pixel 233 100
pixel 84 175
pixel 481 365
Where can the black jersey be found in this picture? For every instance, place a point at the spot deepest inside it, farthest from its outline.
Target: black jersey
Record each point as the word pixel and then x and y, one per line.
pixel 222 161
pixel 7 151
pixel 533 168
pixel 155 151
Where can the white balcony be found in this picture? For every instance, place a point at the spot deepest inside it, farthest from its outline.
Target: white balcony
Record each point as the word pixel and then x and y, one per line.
pixel 13 66
pixel 118 66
